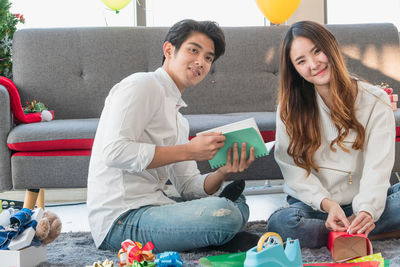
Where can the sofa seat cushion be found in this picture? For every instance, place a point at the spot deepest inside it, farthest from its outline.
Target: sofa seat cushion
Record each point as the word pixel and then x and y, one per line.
pixel 79 133
pixel 69 169
pixel 53 135
pixel 202 122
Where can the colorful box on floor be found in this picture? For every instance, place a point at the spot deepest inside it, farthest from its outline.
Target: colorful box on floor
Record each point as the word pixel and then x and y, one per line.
pixel 26 257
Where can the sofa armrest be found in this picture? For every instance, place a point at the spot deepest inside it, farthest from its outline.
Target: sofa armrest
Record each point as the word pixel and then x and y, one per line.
pixel 5 128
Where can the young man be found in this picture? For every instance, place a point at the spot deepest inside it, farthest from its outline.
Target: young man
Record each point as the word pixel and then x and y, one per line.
pixel 142 141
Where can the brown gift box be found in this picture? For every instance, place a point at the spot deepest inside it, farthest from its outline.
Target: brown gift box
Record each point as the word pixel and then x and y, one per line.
pixel 345 246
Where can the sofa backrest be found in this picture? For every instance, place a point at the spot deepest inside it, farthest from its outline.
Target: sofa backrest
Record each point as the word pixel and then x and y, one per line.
pixel 72 70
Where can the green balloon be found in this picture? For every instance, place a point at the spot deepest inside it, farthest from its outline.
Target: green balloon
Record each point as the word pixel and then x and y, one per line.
pixel 116 4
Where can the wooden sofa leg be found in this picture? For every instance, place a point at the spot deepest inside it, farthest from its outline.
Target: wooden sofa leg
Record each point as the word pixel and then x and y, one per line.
pixel 40 199
pixel 31 196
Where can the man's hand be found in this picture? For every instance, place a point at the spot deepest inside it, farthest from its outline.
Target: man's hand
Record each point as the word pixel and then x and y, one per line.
pixel 205 146
pixel 362 223
pixel 237 164
pixel 336 220
pixel 200 148
pixel 214 181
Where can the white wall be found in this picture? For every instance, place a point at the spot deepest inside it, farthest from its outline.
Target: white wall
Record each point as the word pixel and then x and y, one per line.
pixel 225 12
pixel 70 13
pixel 363 11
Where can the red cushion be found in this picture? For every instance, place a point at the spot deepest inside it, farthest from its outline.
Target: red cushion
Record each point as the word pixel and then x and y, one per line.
pixel 64 144
pixel 83 144
pixel 62 153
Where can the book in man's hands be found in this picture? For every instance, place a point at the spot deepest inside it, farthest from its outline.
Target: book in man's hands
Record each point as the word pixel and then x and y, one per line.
pixel 245 131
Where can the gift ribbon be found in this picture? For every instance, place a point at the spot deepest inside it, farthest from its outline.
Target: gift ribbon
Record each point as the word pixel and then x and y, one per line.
pixel 393 97
pixel 143 264
pixel 389 91
pixel 134 251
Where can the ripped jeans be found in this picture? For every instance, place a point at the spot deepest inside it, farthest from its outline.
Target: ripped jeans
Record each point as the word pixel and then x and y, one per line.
pixel 300 221
pixel 181 226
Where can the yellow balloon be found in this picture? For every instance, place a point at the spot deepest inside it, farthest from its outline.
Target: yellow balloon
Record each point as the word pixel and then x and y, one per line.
pixel 116 4
pixel 277 11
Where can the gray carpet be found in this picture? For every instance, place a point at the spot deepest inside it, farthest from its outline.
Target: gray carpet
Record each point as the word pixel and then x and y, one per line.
pixel 77 249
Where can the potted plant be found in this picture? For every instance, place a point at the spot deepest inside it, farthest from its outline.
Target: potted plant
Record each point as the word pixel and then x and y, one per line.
pixel 8 26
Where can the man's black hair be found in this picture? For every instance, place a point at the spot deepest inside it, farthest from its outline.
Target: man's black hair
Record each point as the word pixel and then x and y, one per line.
pixel 181 30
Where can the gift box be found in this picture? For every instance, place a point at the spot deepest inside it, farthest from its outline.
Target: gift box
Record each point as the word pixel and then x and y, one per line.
pixel 345 264
pixel 393 97
pixel 26 257
pixel 393 101
pixel 25 238
pixel 345 246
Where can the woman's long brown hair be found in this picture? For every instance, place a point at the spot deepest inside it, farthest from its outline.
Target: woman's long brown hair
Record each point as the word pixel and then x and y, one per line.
pixel 297 98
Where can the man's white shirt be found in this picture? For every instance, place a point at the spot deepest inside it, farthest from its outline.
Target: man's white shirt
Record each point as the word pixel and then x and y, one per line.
pixel 140 113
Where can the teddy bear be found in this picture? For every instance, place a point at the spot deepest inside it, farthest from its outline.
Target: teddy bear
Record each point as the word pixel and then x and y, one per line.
pixel 48 228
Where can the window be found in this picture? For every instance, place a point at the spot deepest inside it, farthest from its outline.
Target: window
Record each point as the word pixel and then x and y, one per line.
pixel 70 13
pixel 88 13
pixel 363 11
pixel 224 12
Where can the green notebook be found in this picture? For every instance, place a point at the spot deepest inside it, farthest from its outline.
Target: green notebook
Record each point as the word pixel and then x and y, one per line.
pixel 248 136
pixel 244 131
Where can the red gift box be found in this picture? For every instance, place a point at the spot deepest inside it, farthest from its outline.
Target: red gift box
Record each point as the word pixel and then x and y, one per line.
pixel 352 264
pixel 345 246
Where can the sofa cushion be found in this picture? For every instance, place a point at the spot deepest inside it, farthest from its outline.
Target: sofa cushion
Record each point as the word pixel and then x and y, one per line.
pixel 79 133
pixel 53 135
pixel 68 169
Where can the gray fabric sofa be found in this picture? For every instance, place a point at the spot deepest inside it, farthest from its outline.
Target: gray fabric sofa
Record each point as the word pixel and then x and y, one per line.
pixel 72 70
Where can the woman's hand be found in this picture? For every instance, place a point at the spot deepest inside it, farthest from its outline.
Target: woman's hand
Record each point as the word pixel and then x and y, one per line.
pixel 362 223
pixel 336 220
pixel 237 164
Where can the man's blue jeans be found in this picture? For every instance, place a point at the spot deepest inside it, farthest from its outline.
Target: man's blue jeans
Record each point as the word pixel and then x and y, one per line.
pixel 181 226
pixel 300 221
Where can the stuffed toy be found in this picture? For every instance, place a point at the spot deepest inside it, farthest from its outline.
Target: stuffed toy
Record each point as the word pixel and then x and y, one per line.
pixel 48 228
pixel 16 107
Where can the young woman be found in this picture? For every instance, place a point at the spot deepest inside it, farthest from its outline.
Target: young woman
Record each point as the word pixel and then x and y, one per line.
pixel 335 144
